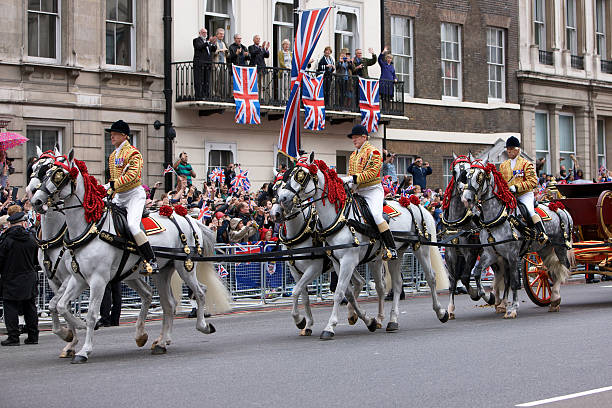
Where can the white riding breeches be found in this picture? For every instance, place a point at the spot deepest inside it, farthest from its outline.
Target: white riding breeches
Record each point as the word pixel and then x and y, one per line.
pixel 133 201
pixel 374 195
pixel 527 200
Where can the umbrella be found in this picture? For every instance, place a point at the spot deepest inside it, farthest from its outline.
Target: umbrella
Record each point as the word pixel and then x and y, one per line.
pixel 8 140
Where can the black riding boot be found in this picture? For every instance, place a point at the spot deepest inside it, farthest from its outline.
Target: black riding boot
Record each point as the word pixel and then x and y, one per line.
pixel 389 242
pixel 147 253
pixel 541 232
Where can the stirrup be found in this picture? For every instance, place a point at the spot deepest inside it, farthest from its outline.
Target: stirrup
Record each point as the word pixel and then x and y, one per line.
pixel 389 254
pixel 150 268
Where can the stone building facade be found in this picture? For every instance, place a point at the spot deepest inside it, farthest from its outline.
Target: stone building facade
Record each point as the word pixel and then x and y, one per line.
pixel 459 61
pixel 69 68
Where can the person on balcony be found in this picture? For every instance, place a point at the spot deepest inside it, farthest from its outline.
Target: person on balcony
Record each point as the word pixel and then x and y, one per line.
pixel 361 64
pixel 344 68
pixel 203 51
pixel 220 76
pixel 259 53
pixel 387 75
pixel 327 67
pixel 284 55
pixel 284 62
pixel 238 53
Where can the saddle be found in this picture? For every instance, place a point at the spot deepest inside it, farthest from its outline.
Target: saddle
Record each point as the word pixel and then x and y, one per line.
pixel 119 216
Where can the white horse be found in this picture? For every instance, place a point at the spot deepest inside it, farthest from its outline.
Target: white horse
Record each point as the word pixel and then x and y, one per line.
pixel 307 181
pixel 52 226
pixel 96 262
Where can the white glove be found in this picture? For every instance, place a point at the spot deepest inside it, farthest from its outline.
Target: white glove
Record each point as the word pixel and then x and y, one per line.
pixel 512 189
pixel 347 179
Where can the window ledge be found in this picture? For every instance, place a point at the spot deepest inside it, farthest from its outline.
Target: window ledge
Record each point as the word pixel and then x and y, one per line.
pixel 456 103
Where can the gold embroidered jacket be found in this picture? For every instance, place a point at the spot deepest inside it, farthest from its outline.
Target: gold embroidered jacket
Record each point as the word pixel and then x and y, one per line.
pixel 523 175
pixel 366 163
pixel 125 168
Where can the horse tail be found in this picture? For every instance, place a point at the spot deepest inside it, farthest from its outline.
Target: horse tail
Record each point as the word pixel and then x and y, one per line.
pixel 434 254
pixel 217 296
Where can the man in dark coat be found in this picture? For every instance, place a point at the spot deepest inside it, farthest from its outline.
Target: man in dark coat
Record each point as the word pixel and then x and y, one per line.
pixel 203 51
pixel 18 260
pixel 419 171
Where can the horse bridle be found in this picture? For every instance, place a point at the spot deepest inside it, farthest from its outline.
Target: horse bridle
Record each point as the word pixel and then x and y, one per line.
pixel 59 175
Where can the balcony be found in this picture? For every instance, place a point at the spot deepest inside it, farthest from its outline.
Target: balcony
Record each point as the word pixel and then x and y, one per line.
pixel 546 57
pixel 606 66
pixel 341 92
pixel 577 61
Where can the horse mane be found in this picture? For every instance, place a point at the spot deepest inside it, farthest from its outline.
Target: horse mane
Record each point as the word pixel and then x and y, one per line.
pixel 94 192
pixel 451 184
pixel 500 189
pixel 334 187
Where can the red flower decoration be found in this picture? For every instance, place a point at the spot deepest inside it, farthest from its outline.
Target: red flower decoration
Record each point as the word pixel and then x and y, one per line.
pixel 74 173
pixel 165 210
pixel 180 210
pixel 404 202
pixel 555 206
pixel 414 200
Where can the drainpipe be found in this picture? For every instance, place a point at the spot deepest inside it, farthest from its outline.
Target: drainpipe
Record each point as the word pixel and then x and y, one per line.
pixel 169 132
pixel 382 47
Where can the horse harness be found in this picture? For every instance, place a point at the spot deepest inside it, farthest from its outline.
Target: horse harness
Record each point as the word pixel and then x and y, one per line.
pixel 52 243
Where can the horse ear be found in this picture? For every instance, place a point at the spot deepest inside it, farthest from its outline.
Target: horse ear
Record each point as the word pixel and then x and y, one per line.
pixel 470 157
pixel 454 156
pixel 486 160
pixel 311 159
pixel 71 155
pixel 39 151
pixel 56 150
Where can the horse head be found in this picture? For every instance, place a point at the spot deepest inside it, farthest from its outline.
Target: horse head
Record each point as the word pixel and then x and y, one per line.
pixel 299 184
pixel 56 184
pixel 39 167
pixel 477 183
pixel 459 168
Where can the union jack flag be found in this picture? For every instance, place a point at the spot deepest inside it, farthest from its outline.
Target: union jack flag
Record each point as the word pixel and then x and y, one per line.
pixel 204 213
pixel 369 103
pixel 217 175
pixel 406 192
pixel 241 180
pixel 221 271
pixel 387 182
pixel 169 169
pixel 246 95
pixel 314 103
pixel 306 37
pixel 247 249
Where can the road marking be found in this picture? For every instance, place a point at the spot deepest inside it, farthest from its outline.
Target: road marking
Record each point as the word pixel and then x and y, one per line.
pixel 605 286
pixel 564 397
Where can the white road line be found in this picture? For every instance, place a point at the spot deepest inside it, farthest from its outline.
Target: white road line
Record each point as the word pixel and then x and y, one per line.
pixel 605 286
pixel 564 397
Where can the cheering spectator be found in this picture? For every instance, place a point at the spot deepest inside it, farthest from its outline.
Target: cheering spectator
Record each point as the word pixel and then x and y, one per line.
pixel 183 168
pixel 203 51
pixel 420 171
pixel 327 67
pixel 239 232
pixel 222 52
pixel 238 53
pixel 388 167
pixel 387 75
pixel 284 55
pixel 259 53
pixel 361 64
pixel 229 174
pixel 344 68
pixel 6 168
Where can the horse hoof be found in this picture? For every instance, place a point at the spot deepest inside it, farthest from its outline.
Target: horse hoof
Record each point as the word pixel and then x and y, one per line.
pixel 373 325
pixel 491 300
pixel 307 332
pixel 378 325
pixel 302 323
pixel 154 344
pixel 327 335
pixel 211 328
pixel 392 326
pixel 142 340
pixel 67 354
pixel 451 316
pixel 157 350
pixel 475 298
pixel 554 308
pixel 69 337
pixel 500 309
pixel 78 359
pixel 510 315
pixel 352 320
pixel 445 318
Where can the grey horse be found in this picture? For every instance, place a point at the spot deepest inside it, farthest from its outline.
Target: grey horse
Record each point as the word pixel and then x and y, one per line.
pixel 479 185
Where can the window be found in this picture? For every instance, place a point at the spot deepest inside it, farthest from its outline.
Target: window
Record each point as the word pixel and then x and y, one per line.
pixel 219 158
pixel 109 148
pixel 496 59
pixel 283 160
pixel 601 144
pixel 218 15
pixel 346 29
pixel 283 26
pixel 542 139
pixel 447 171
pixel 567 139
pixel 600 28
pixel 45 138
pixel 120 33
pixel 539 23
pixel 401 45
pixel 402 163
pixel 571 37
pixel 44 28
pixel 451 60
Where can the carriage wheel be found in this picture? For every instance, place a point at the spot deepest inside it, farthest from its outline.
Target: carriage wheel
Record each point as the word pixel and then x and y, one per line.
pixel 606 194
pixel 536 280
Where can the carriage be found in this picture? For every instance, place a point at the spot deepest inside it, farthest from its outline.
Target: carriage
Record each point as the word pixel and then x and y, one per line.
pixel 590 206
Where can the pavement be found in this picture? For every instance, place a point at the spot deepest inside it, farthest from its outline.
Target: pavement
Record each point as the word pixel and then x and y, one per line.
pixel 257 359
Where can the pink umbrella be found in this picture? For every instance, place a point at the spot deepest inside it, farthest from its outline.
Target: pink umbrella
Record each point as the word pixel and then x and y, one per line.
pixel 8 140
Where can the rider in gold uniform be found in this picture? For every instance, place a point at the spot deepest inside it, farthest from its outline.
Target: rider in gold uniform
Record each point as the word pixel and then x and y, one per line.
pixel 521 177
pixel 365 166
pixel 125 165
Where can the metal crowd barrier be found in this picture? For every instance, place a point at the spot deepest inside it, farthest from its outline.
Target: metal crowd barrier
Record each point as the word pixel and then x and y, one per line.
pixel 249 283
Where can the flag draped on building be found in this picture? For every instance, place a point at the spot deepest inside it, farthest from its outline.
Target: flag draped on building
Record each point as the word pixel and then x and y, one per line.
pixel 369 103
pixel 314 102
pixel 306 38
pixel 246 95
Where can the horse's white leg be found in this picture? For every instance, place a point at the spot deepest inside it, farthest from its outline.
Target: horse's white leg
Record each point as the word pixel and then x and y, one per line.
pixel 512 311
pixel 376 267
pixel 146 296
pixel 168 304
pixel 396 283
pixel 57 328
pixel 96 292
pixel 199 292
pixel 423 256
pixel 357 282
pixel 312 271
pixel 73 289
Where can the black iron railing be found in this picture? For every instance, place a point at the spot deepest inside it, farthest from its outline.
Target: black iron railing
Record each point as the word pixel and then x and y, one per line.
pixel 577 61
pixel 606 66
pixel 341 92
pixel 546 57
